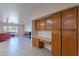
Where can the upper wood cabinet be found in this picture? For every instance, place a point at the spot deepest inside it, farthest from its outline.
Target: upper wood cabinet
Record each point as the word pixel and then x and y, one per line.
pixel 69 43
pixel 49 23
pixel 57 21
pixel 42 24
pixel 54 22
pixel 69 19
pixel 56 43
pixel 33 25
pixel 37 25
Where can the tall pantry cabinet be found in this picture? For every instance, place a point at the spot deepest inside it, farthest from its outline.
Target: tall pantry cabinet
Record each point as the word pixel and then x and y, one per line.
pixel 69 32
pixel 78 30
pixel 56 34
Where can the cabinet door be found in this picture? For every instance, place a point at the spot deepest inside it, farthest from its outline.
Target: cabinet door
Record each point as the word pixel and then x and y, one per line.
pixel 49 23
pixel 69 43
pixel 56 43
pixel 69 18
pixel 33 25
pixel 33 42
pixel 54 22
pixel 42 24
pixel 78 42
pixel 78 31
pixel 37 25
pixel 78 18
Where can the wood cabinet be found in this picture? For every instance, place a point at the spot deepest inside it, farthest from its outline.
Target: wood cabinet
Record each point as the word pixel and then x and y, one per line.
pixel 78 42
pixel 54 22
pixel 64 26
pixel 33 25
pixel 42 24
pixel 57 21
pixel 49 23
pixel 78 18
pixel 33 41
pixel 37 43
pixel 69 19
pixel 78 31
pixel 69 43
pixel 56 43
pixel 37 25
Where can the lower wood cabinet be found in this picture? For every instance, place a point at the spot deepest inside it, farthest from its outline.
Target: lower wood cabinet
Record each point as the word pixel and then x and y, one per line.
pixel 33 41
pixel 69 43
pixel 56 43
pixel 37 43
pixel 78 42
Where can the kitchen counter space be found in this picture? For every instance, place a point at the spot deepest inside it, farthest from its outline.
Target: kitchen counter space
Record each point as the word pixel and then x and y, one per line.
pixel 47 41
pixel 42 38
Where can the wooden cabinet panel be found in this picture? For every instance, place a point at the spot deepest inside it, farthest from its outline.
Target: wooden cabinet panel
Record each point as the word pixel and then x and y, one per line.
pixel 37 25
pixel 69 43
pixel 42 24
pixel 37 43
pixel 54 22
pixel 78 18
pixel 33 25
pixel 69 19
pixel 56 43
pixel 49 23
pixel 78 31
pixel 78 42
pixel 33 41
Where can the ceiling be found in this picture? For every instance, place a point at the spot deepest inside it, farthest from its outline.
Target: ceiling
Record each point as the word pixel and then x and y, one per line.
pixel 25 12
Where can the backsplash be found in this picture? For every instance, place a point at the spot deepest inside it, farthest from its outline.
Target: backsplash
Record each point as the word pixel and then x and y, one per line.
pixel 46 34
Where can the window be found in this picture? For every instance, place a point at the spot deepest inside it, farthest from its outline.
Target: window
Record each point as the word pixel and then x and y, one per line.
pixel 13 29
pixel 5 20
pixel 5 29
pixel 13 20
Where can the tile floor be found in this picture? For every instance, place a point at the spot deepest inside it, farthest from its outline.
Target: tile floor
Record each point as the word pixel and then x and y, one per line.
pixel 20 46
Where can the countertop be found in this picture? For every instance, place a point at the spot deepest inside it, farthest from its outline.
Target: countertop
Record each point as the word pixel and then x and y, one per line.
pixel 42 38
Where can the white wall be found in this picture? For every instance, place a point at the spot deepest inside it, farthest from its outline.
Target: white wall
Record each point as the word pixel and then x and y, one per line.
pixel 28 27
pixel 46 34
pixel 1 28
